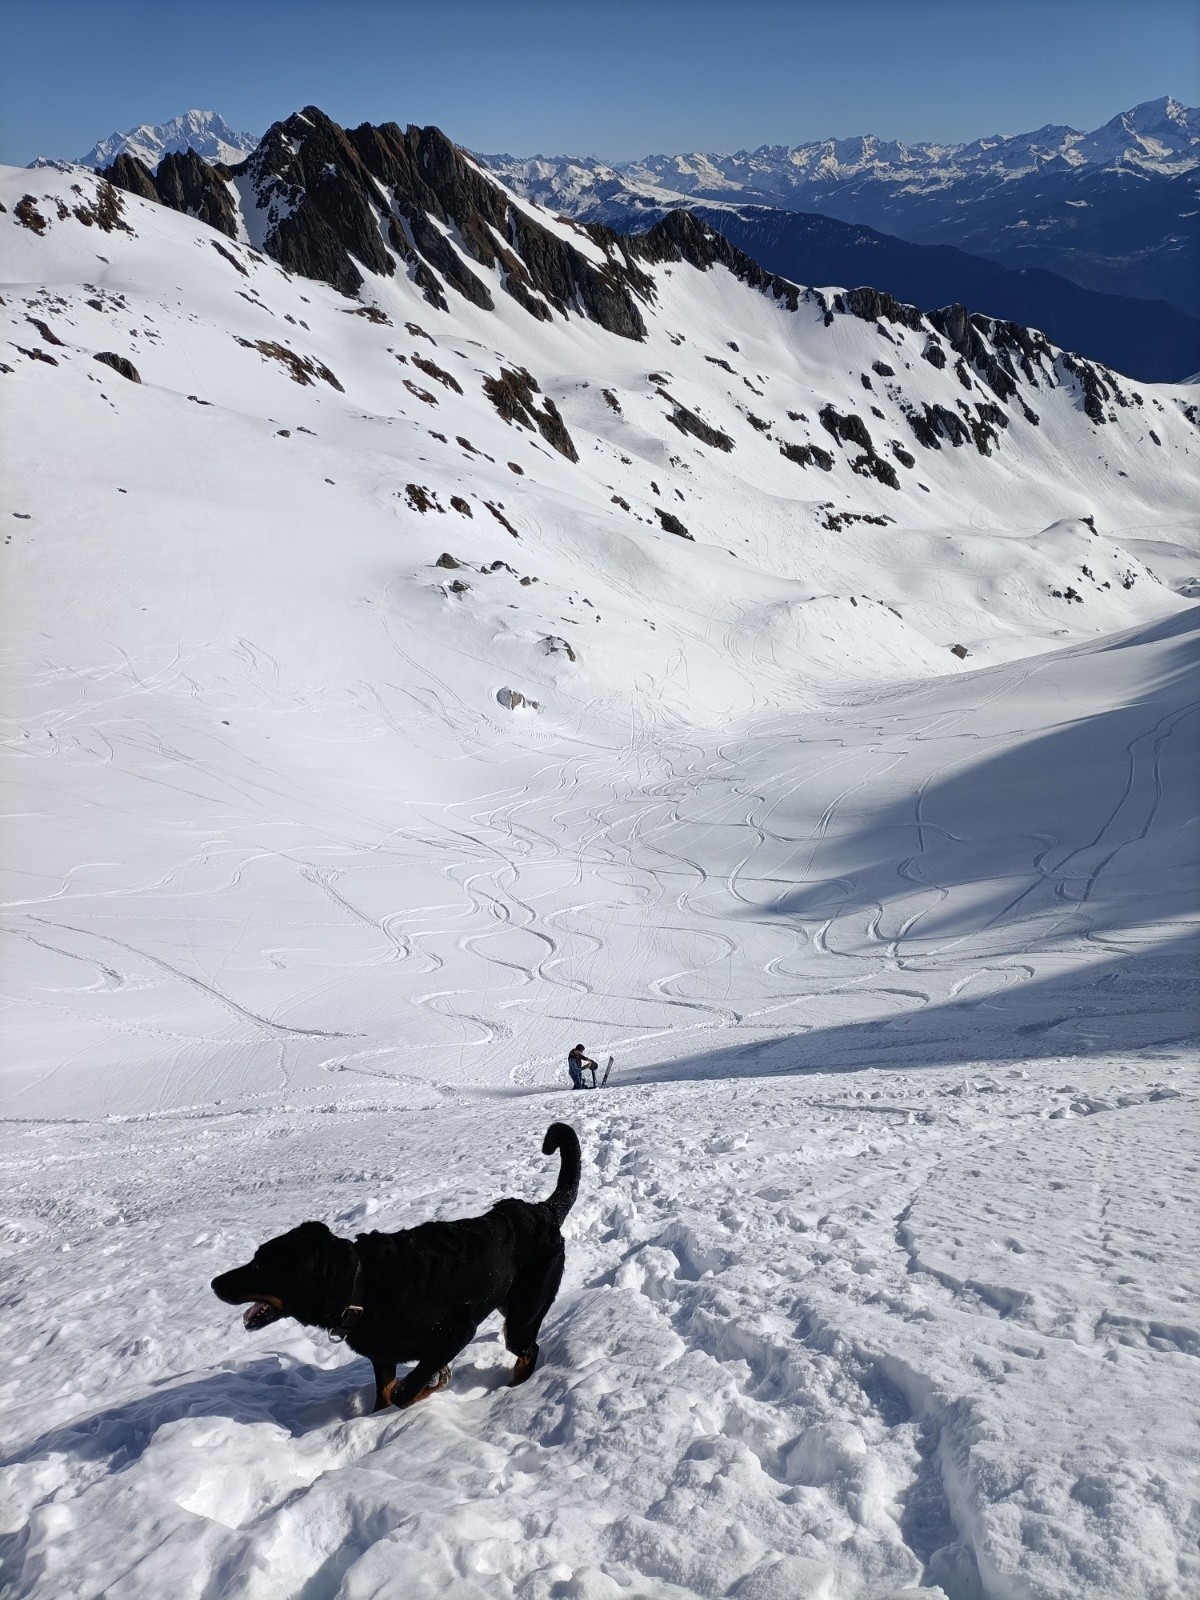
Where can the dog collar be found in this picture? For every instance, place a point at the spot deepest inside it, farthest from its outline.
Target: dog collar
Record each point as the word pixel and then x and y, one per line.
pixel 350 1316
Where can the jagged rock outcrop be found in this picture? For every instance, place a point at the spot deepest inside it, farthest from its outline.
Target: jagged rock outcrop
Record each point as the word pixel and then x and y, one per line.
pixel 119 364
pixel 681 236
pixel 185 182
pixel 327 197
pixel 850 429
pixel 512 395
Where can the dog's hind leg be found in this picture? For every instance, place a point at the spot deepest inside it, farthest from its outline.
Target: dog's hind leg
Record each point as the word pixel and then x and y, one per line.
pixel 432 1372
pixel 385 1380
pixel 528 1302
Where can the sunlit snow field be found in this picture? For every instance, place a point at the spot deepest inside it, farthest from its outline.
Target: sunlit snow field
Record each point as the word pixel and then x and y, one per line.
pixel 883 1272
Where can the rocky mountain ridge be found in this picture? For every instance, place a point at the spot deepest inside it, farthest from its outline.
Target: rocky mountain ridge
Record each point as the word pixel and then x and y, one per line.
pixel 332 204
pixel 888 401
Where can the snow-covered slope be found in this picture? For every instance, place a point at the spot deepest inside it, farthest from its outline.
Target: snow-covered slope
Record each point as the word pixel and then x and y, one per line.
pixel 880 1273
pixel 205 132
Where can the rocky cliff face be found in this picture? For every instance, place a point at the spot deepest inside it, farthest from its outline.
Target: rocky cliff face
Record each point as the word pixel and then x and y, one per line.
pixel 320 199
pixel 185 182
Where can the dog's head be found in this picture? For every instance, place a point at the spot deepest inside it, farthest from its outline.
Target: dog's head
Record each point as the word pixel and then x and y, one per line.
pixel 295 1275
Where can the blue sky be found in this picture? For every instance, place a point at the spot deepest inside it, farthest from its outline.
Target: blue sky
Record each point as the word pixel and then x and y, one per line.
pixel 613 78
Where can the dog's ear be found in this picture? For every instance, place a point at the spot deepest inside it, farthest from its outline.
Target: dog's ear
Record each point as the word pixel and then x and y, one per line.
pixel 314 1230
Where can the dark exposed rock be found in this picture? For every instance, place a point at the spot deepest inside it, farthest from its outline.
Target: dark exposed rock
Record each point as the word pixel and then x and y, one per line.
pixel 104 211
pixel 903 456
pixel 132 175
pixel 933 423
pixel 874 466
pixel 45 330
pixel 554 644
pixel 611 401
pixel 1095 390
pixel 513 699
pixel 418 393
pixel 420 499
pixel 991 347
pixel 983 427
pixel 851 429
pixel 40 355
pixel 445 559
pixel 333 203
pixel 512 395
pixel 872 305
pixel 189 184
pixel 835 521
pixel 118 364
pixel 378 194
pixel 460 505
pixel 28 215
pixel 231 258
pixel 688 422
pixel 432 370
pixel 808 455
pixel 301 369
pixel 959 650
pixel 502 520
pixel 681 236
pixel 671 524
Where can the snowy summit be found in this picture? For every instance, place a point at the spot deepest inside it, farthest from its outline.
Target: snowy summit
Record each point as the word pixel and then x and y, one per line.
pixel 205 132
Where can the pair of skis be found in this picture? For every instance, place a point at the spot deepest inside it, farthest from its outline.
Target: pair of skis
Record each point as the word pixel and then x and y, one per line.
pixel 599 1084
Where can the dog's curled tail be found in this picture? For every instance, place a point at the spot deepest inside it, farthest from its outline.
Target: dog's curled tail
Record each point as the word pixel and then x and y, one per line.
pixel 562 1137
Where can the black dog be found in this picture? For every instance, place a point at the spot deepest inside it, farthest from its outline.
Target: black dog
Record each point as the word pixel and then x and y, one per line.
pixel 419 1295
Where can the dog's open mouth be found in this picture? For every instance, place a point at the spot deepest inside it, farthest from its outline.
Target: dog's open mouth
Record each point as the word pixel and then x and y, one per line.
pixel 260 1314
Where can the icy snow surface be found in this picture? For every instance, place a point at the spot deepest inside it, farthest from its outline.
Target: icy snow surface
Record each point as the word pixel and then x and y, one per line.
pixel 883 1274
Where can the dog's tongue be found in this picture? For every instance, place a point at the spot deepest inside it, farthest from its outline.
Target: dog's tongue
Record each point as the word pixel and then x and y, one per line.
pixel 259 1313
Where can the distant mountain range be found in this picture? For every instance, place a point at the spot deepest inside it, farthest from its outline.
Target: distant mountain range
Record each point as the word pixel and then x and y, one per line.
pixel 1161 138
pixel 1114 210
pixel 205 132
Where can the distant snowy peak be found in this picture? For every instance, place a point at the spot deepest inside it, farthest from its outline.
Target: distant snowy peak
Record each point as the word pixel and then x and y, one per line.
pixel 205 132
pixel 1160 137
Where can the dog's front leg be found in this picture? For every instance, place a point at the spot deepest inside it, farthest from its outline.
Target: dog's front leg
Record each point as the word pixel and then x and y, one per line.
pixel 432 1371
pixel 385 1381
